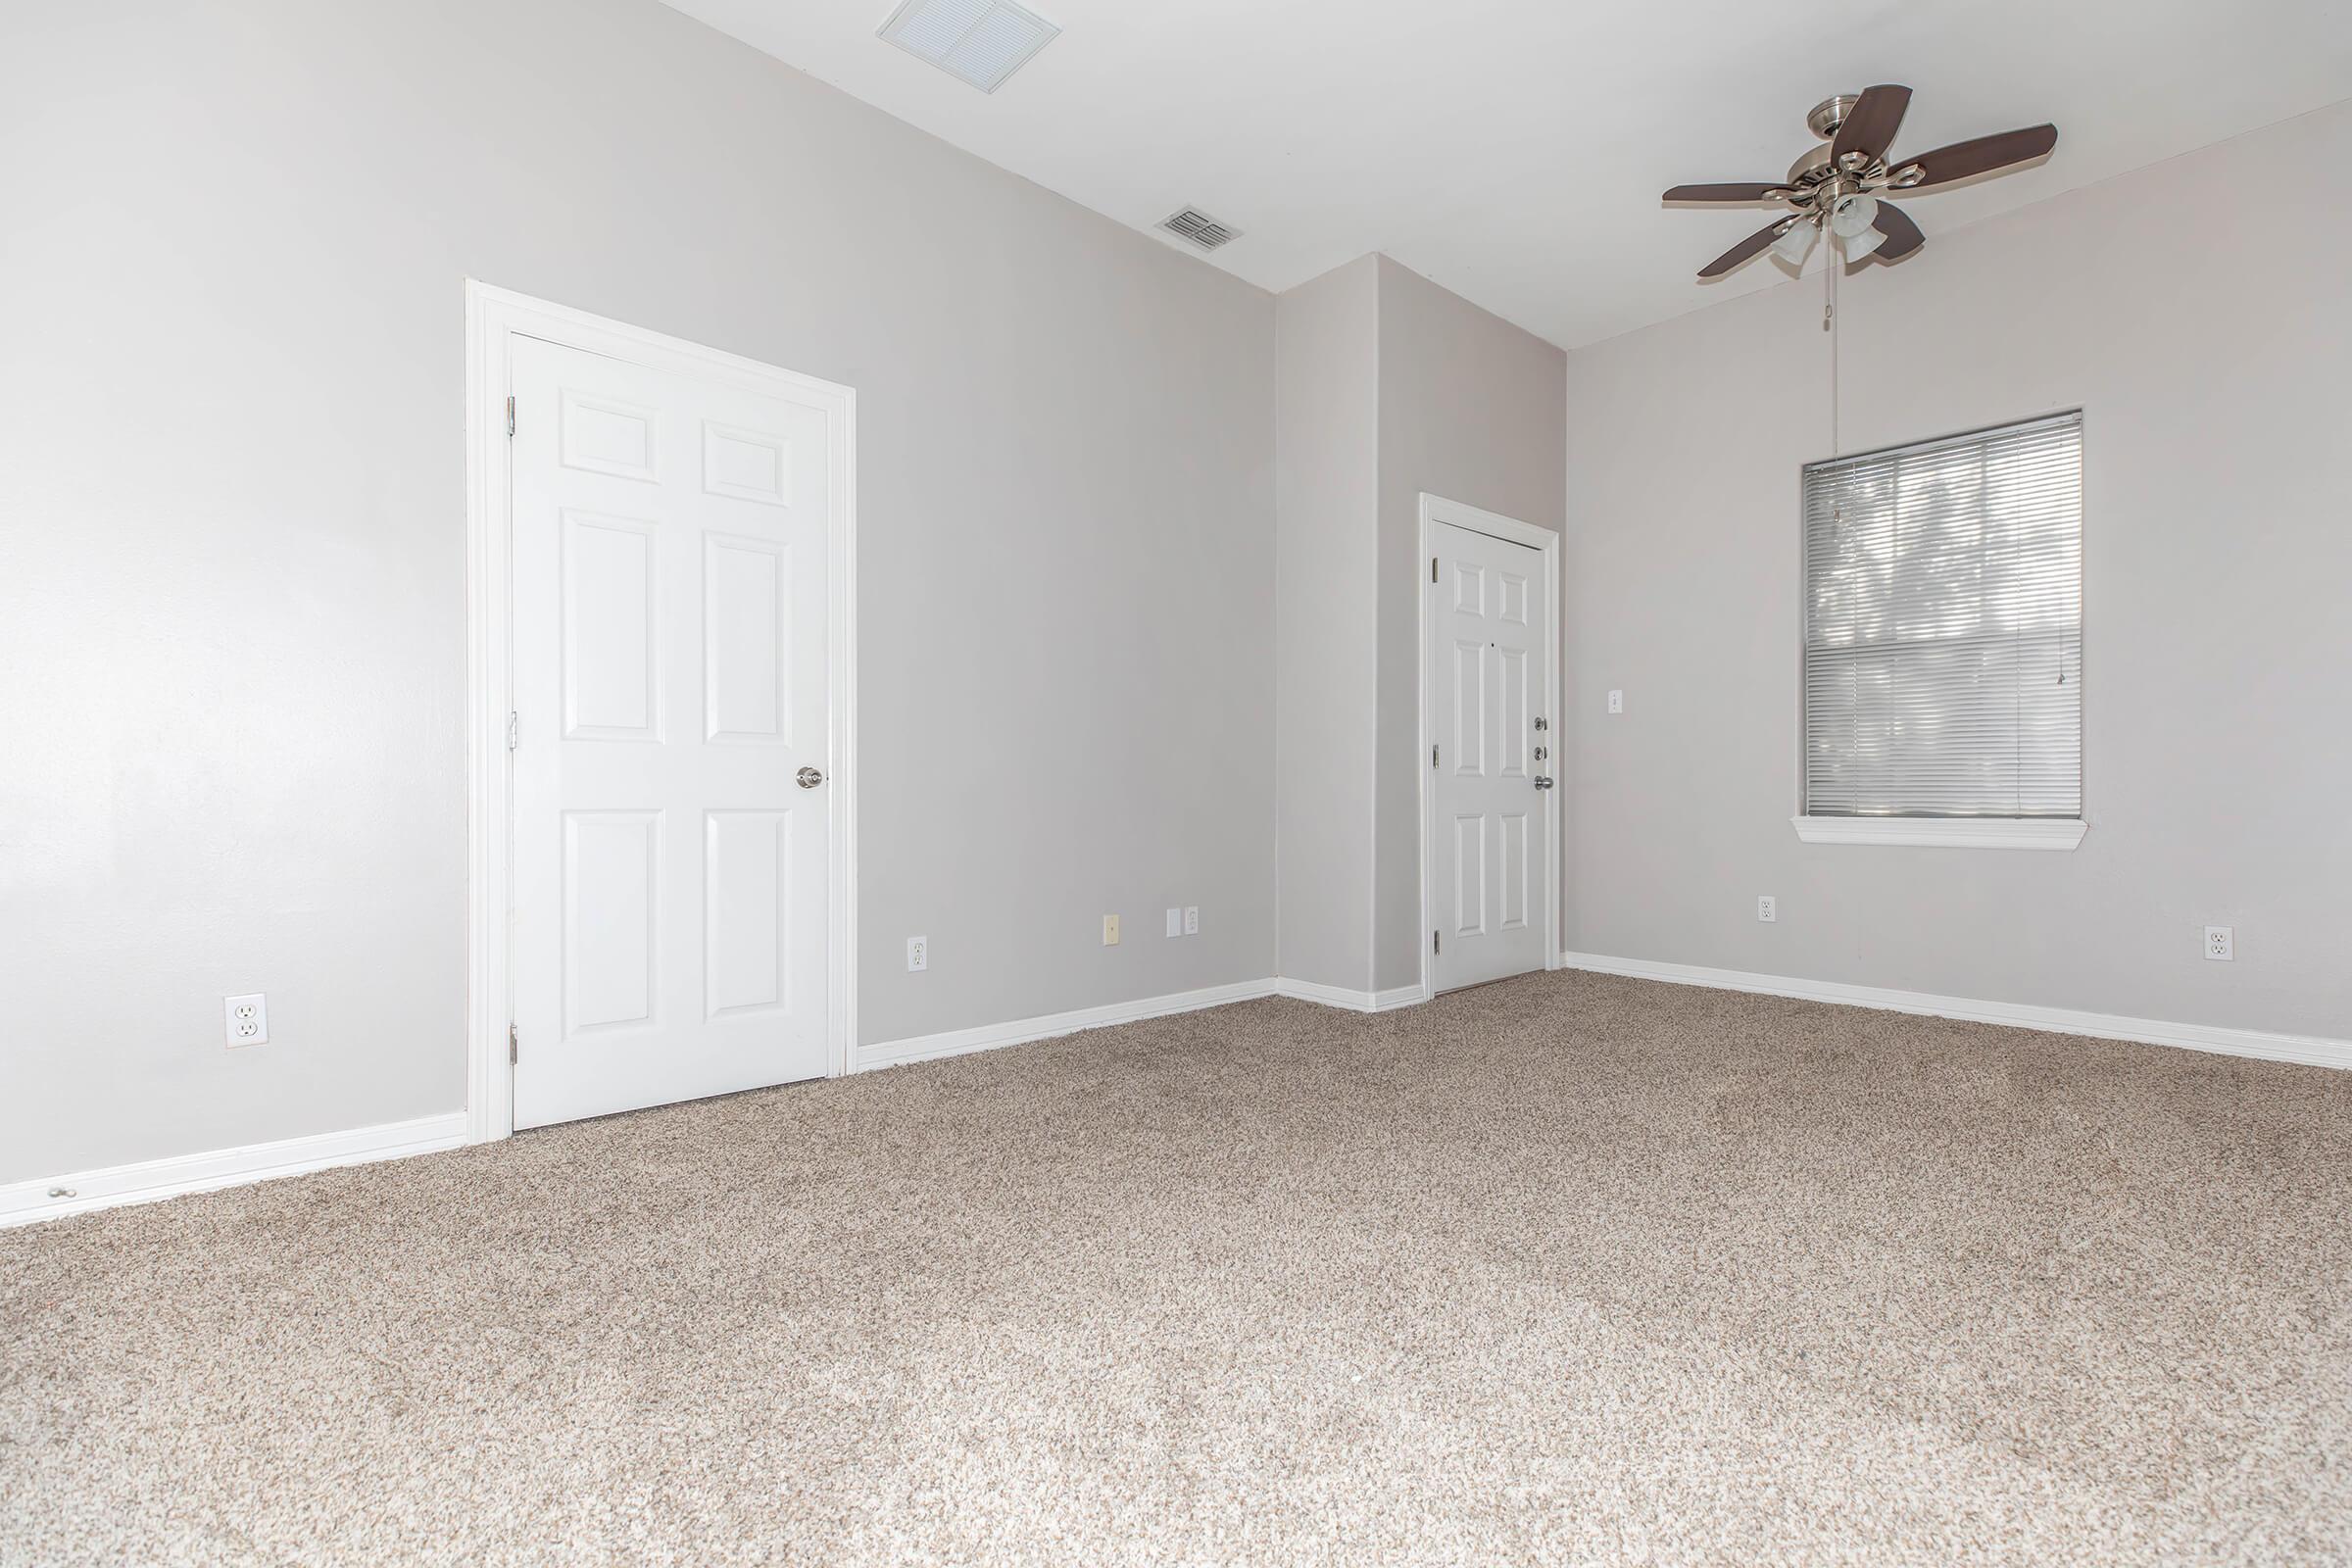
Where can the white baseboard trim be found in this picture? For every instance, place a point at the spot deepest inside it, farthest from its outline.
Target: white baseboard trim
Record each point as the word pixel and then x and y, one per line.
pixel 2314 1051
pixel 1020 1031
pixel 25 1203
pixel 1354 1000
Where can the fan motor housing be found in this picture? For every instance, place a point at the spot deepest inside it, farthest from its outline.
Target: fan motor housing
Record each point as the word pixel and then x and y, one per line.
pixel 1830 114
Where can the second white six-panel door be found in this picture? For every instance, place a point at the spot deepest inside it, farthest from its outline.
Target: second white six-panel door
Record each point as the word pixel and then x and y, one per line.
pixel 669 918
pixel 1487 635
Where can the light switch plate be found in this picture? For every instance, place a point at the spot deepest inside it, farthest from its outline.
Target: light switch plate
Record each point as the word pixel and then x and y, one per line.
pixel 1616 702
pixel 1111 930
pixel 1175 922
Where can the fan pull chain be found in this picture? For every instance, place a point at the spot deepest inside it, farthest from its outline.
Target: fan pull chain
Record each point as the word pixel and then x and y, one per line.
pixel 1829 325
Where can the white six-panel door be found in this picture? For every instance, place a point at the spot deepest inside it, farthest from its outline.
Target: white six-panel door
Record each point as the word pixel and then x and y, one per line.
pixel 1488 865
pixel 669 889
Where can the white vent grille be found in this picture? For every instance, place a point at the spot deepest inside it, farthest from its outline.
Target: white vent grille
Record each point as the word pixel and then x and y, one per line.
pixel 979 41
pixel 1192 224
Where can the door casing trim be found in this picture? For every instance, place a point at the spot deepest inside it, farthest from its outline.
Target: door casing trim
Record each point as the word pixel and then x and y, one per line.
pixel 494 317
pixel 1436 510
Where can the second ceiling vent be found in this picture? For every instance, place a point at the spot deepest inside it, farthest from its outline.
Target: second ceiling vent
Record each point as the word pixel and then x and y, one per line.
pixel 1194 225
pixel 979 41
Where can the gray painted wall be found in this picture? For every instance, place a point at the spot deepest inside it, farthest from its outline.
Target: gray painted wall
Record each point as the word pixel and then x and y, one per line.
pixel 2197 312
pixel 1388 386
pixel 1327 467
pixel 1472 409
pixel 233 608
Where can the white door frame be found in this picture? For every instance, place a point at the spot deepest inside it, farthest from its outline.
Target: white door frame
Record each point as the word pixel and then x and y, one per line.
pixel 1436 510
pixel 494 317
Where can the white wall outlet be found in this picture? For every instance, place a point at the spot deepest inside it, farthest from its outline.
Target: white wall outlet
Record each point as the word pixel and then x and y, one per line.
pixel 918 955
pixel 1111 930
pixel 1192 919
pixel 1616 702
pixel 2221 943
pixel 1768 907
pixel 1175 922
pixel 247 1019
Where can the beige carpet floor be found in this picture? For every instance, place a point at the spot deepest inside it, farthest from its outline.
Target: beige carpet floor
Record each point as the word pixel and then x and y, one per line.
pixel 1567 1270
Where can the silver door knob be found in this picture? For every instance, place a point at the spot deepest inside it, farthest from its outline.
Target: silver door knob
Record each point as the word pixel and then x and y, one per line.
pixel 809 779
pixel 1542 782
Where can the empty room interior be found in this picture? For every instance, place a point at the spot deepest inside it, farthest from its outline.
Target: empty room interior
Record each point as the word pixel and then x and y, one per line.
pixel 1175 782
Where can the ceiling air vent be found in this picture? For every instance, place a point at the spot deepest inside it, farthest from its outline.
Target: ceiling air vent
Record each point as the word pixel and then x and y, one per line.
pixel 980 41
pixel 1192 224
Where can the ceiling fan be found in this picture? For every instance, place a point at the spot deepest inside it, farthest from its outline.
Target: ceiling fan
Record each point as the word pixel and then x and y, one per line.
pixel 1839 184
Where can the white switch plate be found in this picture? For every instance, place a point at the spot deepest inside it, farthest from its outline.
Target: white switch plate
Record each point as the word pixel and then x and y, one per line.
pixel 918 955
pixel 1616 702
pixel 1175 922
pixel 1768 907
pixel 1192 919
pixel 1111 930
pixel 2221 943
pixel 246 1019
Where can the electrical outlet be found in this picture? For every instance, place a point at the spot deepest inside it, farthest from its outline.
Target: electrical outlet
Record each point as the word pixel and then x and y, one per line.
pixel 1175 922
pixel 1192 919
pixel 1111 930
pixel 2221 943
pixel 247 1019
pixel 918 955
pixel 1768 907
pixel 1616 702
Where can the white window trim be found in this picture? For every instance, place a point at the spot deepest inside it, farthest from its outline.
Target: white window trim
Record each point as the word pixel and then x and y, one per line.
pixel 1945 832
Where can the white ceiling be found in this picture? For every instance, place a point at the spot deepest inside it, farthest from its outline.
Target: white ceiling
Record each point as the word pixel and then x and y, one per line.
pixel 1514 150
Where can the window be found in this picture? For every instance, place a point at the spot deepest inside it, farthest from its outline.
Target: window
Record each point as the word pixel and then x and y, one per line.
pixel 1944 641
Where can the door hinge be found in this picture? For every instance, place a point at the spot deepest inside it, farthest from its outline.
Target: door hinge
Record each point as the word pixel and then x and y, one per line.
pixel 1437 944
pixel 510 416
pixel 1433 755
pixel 1433 560
pixel 513 1046
pixel 513 730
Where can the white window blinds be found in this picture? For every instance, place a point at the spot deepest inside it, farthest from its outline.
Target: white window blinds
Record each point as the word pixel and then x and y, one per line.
pixel 1943 627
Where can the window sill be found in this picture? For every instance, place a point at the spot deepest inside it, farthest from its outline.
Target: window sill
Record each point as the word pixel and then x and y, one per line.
pixel 1944 832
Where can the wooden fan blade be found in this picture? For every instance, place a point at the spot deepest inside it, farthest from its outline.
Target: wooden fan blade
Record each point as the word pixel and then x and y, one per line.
pixel 1744 250
pixel 1741 195
pixel 1964 158
pixel 1903 235
pixel 1874 120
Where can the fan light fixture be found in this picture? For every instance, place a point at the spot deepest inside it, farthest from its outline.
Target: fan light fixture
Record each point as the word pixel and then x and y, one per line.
pixel 1845 177
pixel 1852 214
pixel 1795 242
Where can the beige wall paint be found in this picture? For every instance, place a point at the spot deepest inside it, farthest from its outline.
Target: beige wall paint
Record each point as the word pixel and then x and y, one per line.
pixel 231 487
pixel 1472 409
pixel 2198 312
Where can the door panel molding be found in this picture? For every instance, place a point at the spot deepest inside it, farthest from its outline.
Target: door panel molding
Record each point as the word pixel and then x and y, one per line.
pixel 1532 690
pixel 599 439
